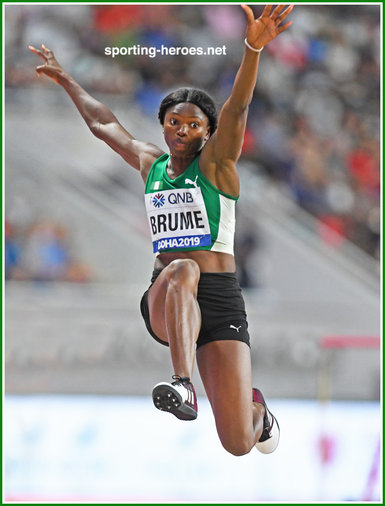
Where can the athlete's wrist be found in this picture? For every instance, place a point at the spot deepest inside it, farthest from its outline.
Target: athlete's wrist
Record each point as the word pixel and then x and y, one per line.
pixel 251 47
pixel 63 78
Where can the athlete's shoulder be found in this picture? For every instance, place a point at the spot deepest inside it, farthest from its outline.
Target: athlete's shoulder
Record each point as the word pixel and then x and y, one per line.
pixel 210 161
pixel 149 158
pixel 220 172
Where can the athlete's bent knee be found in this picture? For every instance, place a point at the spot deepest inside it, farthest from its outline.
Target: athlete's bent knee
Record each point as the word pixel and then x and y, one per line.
pixel 182 269
pixel 237 448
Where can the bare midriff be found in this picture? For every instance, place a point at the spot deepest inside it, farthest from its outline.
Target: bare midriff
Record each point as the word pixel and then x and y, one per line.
pixel 208 261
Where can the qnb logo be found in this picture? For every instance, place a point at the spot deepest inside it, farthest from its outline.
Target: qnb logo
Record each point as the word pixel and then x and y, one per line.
pixel 158 200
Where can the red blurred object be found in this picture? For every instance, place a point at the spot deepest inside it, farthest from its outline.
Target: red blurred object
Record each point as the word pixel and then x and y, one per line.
pixel 115 18
pixel 7 228
pixel 331 230
pixel 248 142
pixel 364 168
pixel 350 342
pixel 327 447
pixel 288 52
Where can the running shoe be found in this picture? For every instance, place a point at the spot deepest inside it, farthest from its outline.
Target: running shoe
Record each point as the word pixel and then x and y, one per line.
pixel 269 439
pixel 178 398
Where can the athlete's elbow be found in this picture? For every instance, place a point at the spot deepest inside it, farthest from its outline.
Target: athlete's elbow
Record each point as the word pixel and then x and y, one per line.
pixel 95 128
pixel 238 107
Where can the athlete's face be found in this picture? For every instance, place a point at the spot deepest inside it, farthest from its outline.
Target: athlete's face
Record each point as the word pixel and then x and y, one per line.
pixel 186 129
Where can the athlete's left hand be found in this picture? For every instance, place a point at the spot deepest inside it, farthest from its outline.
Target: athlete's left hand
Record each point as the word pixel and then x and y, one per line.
pixel 264 29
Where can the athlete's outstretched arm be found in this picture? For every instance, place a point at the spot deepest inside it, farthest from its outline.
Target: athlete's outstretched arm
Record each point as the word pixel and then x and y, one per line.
pixel 101 121
pixel 228 140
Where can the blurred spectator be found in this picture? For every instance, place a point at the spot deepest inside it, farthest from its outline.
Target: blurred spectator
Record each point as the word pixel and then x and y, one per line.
pixel 45 253
pixel 245 247
pixel 11 253
pixel 42 253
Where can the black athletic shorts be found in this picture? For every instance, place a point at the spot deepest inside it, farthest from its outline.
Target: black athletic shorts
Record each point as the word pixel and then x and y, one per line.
pixel 222 309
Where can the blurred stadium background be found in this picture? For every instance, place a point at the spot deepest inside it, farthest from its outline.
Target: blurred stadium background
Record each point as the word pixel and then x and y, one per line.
pixel 79 364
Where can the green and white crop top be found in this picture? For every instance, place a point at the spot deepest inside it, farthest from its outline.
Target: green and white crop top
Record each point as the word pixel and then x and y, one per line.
pixel 188 213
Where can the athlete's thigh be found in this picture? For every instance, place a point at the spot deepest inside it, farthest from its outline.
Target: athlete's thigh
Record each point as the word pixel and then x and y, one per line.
pixel 184 276
pixel 156 305
pixel 225 369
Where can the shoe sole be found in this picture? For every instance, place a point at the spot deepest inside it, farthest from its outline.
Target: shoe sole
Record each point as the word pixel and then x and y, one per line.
pixel 270 444
pixel 167 399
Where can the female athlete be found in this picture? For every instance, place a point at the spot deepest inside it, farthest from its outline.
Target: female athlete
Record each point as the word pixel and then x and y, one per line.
pixel 194 304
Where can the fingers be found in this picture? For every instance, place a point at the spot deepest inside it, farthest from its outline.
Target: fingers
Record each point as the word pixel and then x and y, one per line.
pixel 37 51
pixel 48 70
pixel 277 11
pixel 267 10
pixel 44 53
pixel 249 13
pixel 284 27
pixel 284 14
pixel 278 14
pixel 40 69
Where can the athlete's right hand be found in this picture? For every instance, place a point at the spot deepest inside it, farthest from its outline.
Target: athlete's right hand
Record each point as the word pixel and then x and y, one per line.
pixel 51 68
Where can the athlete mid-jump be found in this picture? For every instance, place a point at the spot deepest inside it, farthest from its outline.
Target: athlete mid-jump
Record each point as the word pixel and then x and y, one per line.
pixel 194 304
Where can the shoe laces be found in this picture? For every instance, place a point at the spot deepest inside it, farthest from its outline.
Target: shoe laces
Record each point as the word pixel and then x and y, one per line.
pixel 180 379
pixel 184 382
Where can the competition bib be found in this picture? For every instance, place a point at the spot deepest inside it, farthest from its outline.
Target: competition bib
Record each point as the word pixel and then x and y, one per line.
pixel 178 219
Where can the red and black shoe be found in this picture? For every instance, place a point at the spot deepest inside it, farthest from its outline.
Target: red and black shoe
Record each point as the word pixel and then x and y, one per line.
pixel 178 398
pixel 269 439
